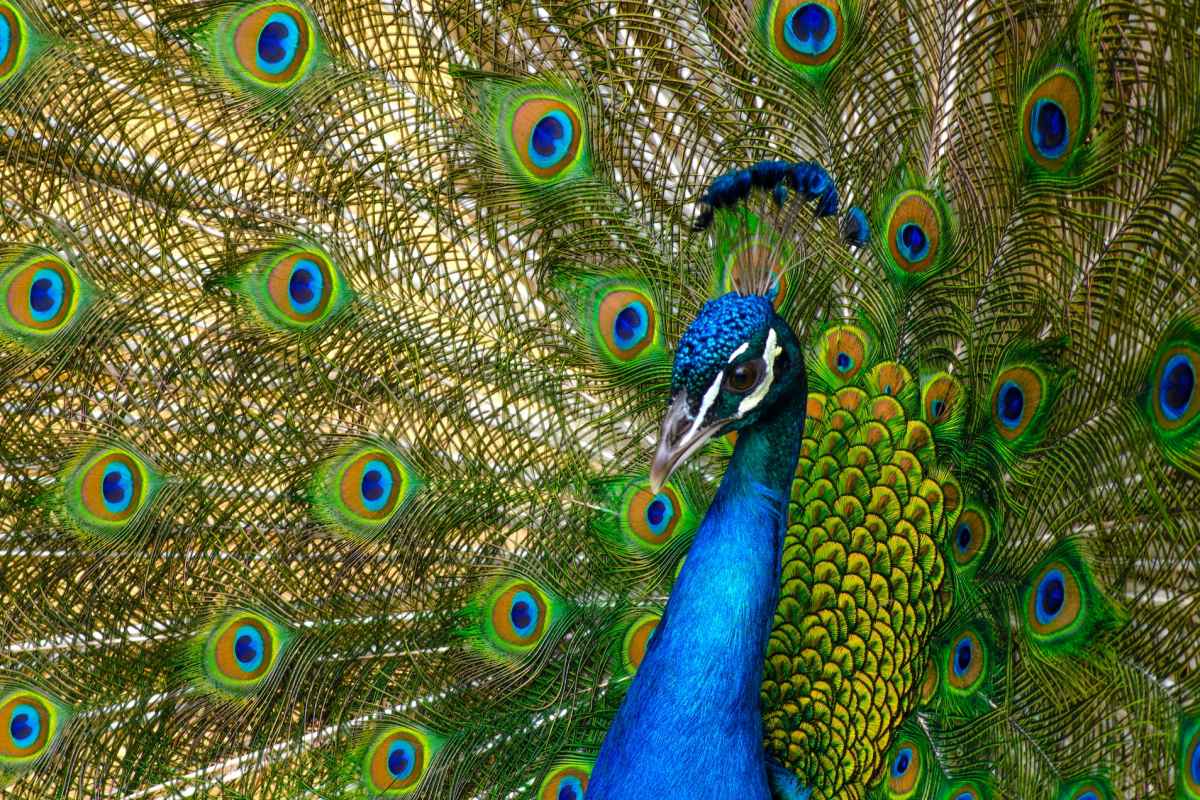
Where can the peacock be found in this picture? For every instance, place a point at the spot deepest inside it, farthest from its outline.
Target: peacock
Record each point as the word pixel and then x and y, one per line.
pixel 714 399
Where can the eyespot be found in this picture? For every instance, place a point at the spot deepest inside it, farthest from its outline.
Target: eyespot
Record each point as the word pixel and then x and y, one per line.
pixel 1190 766
pixel 844 352
pixel 105 490
pixel 889 378
pixel 914 232
pixel 30 724
pixel 1055 602
pixel 397 760
pixel 742 268
pixel 1051 119
pixel 970 536
pixel 637 639
pixel 1088 790
pixel 14 41
pixel 967 660
pixel 742 378
pixel 43 296
pixel 360 490
pixel 547 136
pixel 806 32
pixel 241 652
pixel 905 768
pixel 941 398
pixel 1173 398
pixel 1016 399
pixel 625 322
pixel 520 614
pixel 272 45
pixel 653 518
pixel 294 289
pixel 963 791
pixel 566 782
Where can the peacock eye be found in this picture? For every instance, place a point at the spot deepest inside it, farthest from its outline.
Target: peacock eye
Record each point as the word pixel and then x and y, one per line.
pixel 741 378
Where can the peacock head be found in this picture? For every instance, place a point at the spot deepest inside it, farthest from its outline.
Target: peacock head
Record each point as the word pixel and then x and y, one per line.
pixel 734 365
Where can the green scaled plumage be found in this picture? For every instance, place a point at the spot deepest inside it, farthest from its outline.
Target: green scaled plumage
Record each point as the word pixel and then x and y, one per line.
pixel 335 336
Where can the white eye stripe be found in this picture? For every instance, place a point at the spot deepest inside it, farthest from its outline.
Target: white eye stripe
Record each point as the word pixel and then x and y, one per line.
pixel 770 352
pixel 706 402
pixel 745 346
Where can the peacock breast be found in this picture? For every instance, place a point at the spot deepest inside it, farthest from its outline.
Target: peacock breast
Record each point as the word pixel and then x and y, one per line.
pixel 861 588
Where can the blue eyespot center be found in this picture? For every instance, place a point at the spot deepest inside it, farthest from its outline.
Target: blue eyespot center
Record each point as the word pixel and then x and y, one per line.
pixel 938 407
pixel 277 43
pixel 962 537
pixel 402 757
pixel 523 614
pixel 1049 129
pixel 570 789
pixel 1010 405
pixel 810 29
pixel 912 242
pixel 116 487
pixel 376 485
pixel 844 362
pixel 305 286
pixel 248 648
pixel 6 38
pixel 45 294
pixel 966 795
pixel 24 725
pixel 551 139
pixel 659 513
pixel 1088 795
pixel 631 325
pixel 902 762
pixel 963 653
pixel 1051 593
pixel 1177 386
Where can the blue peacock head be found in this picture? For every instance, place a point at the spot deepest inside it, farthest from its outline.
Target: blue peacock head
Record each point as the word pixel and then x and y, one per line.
pixel 732 367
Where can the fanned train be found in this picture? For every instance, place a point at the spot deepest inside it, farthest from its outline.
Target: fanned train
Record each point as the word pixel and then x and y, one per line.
pixel 714 399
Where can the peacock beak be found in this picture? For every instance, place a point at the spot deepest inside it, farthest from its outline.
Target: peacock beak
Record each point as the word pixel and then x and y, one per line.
pixel 681 435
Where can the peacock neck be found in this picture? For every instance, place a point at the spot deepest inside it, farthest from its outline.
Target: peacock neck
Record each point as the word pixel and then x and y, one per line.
pixel 690 726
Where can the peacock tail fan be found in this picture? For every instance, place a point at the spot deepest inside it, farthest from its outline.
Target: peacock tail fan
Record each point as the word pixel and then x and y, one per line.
pixel 334 337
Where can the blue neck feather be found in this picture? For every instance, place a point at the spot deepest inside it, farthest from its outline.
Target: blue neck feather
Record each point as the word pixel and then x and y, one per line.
pixel 690 726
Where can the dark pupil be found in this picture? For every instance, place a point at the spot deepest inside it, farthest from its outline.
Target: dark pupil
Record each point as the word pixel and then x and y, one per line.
pixel 810 22
pixel 520 615
pixel 743 377
pixel 20 726
pixel 938 407
pixel 1179 384
pixel 902 763
pixel 962 657
pixel 656 512
pixel 398 761
pixel 114 492
pixel 546 135
pixel 843 362
pixel 1052 595
pixel 627 322
pixel 300 286
pixel 1051 124
pixel 913 238
pixel 372 484
pixel 245 649
pixel 964 536
pixel 270 42
pixel 1012 402
pixel 39 295
pixel 567 793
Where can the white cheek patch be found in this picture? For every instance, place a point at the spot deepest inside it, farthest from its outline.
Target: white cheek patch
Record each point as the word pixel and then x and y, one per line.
pixel 769 354
pixel 706 402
